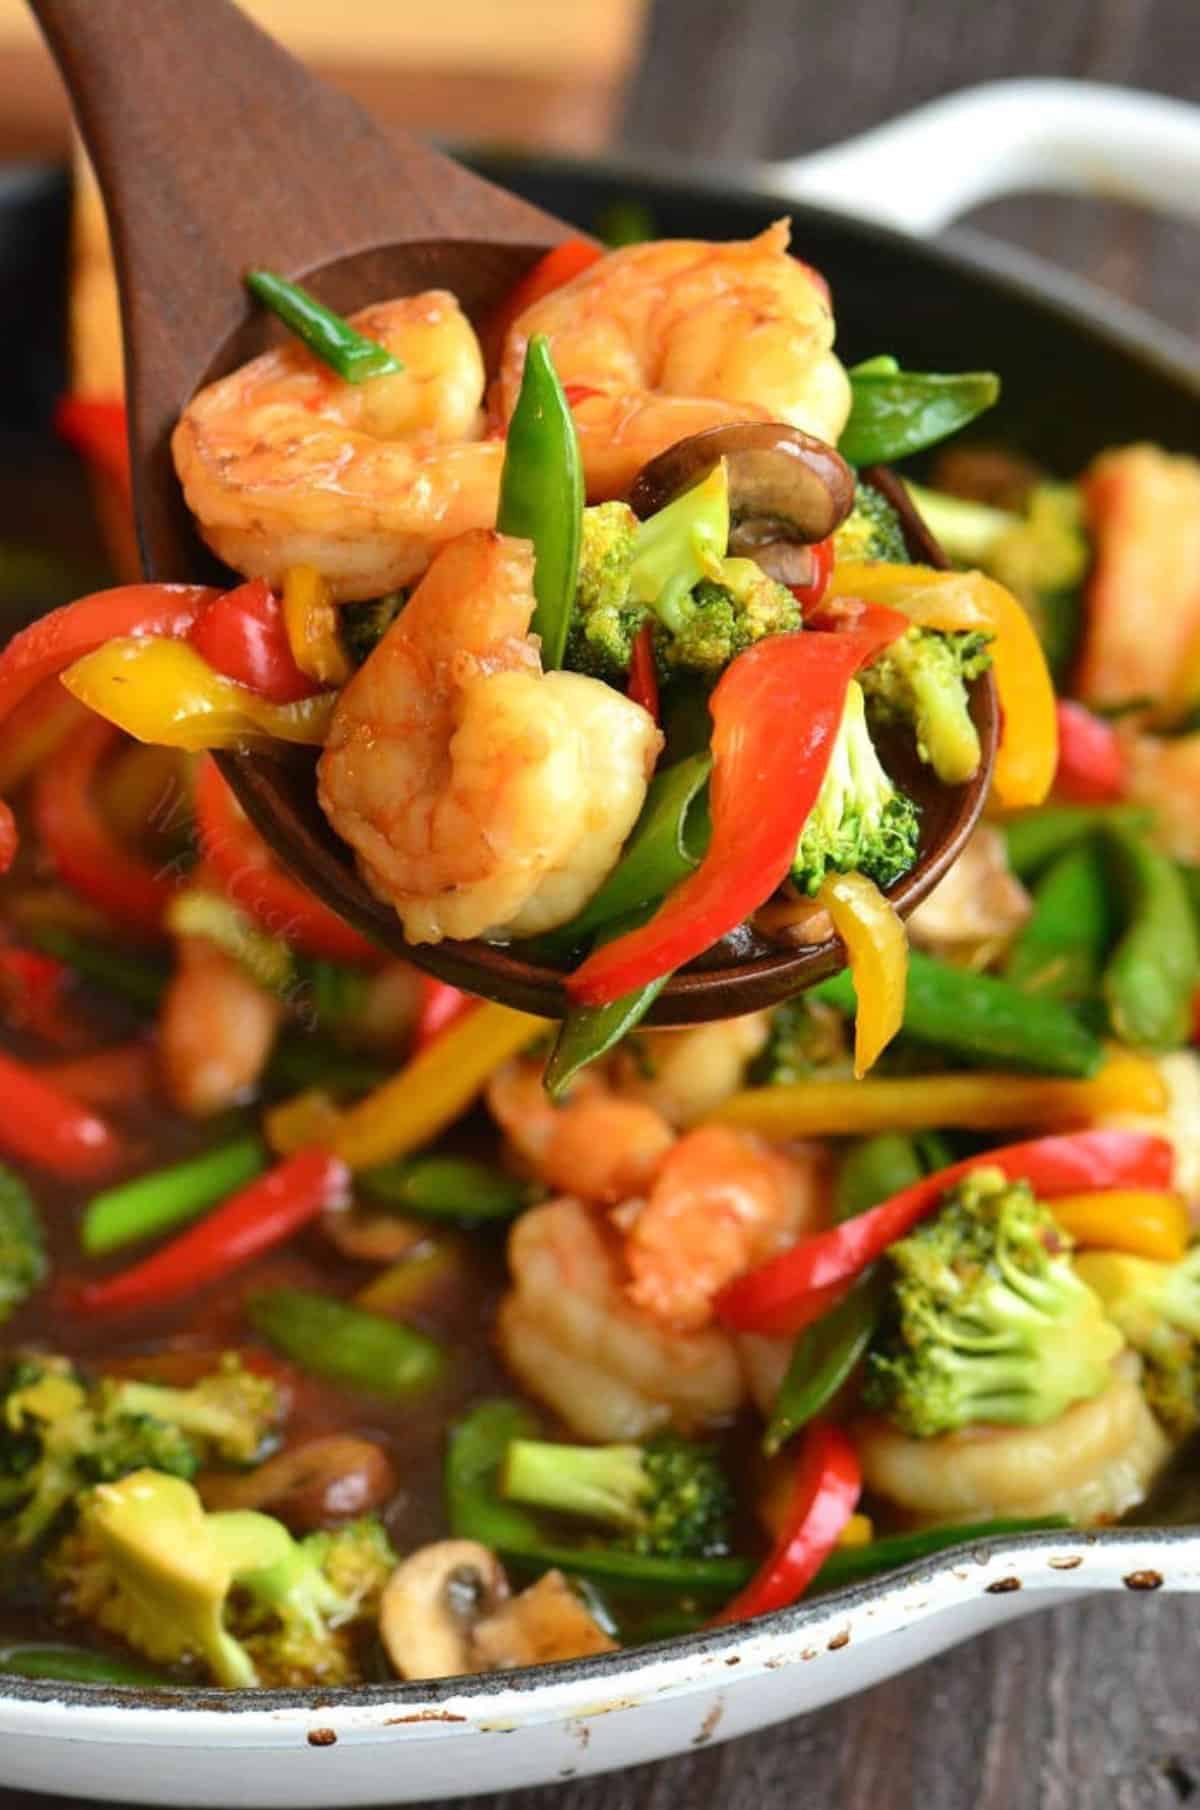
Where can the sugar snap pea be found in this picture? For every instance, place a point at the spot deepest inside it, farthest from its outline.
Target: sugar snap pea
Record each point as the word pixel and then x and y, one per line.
pixel 1059 953
pixel 541 495
pixel 1035 838
pixel 1152 975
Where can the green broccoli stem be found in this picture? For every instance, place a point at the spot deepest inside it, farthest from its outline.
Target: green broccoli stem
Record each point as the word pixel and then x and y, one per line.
pixel 601 1483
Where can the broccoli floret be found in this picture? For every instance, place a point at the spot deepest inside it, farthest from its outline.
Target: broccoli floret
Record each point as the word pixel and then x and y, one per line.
pixel 363 625
pixel 872 530
pixel 1157 1308
pixel 229 1415
pixel 986 1319
pixel 671 570
pixel 668 1498
pixel 805 1037
pixel 861 821
pixel 23 1262
pixel 1041 555
pixel 605 620
pixel 59 1435
pixel 921 681
pixel 233 1594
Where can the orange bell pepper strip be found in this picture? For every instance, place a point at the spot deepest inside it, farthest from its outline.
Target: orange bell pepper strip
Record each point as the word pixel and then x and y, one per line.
pixel 1027 758
pixel 877 947
pixel 1145 1222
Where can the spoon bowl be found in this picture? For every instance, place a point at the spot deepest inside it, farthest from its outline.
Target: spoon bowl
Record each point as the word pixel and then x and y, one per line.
pixel 267 166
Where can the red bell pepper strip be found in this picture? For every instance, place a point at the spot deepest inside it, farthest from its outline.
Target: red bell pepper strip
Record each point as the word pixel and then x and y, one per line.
pixel 776 712
pixel 248 871
pixel 85 853
pixel 1092 767
pixel 242 635
pixel 31 990
pixel 267 1212
pixel 809 595
pixel 560 264
pixel 39 1123
pixel 824 1496
pixel 8 837
pixel 776 1297
pixel 441 1006
pixel 97 427
pixel 54 642
pixel 643 673
pixel 576 393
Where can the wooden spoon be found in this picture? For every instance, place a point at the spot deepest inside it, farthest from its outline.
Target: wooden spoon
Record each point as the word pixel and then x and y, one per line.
pixel 215 152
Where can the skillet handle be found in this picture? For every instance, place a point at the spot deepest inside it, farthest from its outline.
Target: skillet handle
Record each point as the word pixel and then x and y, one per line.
pixel 919 172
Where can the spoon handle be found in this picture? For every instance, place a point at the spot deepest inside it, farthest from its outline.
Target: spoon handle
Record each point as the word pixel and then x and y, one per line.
pixel 216 150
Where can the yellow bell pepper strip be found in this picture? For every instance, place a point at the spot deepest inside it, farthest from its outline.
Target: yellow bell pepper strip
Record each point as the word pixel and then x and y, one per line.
pixel 307 1118
pixel 310 621
pixel 1144 1222
pixel 163 692
pixel 433 1090
pixel 952 601
pixel 858 1531
pixel 877 947
pixel 974 1101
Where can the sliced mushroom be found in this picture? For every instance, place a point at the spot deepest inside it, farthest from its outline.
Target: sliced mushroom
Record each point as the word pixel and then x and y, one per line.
pixel 375 1237
pixel 432 1605
pixel 314 1485
pixel 548 1621
pixel 787 489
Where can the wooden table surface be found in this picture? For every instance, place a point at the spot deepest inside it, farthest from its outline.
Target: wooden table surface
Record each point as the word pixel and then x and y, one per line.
pixel 1094 1707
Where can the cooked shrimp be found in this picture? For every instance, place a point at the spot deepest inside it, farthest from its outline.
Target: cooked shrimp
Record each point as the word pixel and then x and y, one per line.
pixel 764 1364
pixel 685 1075
pixel 721 1202
pixel 1093 1463
pixel 573 1340
pixel 681 335
pixel 480 793
pixel 284 463
pixel 595 1145
pixel 216 1029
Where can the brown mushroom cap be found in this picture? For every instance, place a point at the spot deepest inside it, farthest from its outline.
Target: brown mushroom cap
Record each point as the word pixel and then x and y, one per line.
pixel 784 485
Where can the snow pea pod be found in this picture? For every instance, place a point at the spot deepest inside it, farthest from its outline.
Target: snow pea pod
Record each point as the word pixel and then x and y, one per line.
pixel 346 1344
pixel 1153 971
pixel 73 1665
pixel 983 1018
pixel 541 495
pixel 872 1170
pixel 333 340
pixel 166 1198
pixel 1035 838
pixel 447 1187
pixel 1059 953
pixel 823 1358
pixel 894 413
pixel 850 1564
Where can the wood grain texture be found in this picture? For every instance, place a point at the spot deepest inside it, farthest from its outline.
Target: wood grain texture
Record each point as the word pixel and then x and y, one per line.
pixel 1092 1707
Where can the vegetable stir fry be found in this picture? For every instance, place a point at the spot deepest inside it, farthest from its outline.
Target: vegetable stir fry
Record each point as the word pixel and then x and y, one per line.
pixel 352 1328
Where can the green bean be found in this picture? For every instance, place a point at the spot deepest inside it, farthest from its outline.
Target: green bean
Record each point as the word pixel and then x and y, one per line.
pixel 73 1665
pixel 894 413
pixel 824 1357
pixel 1059 954
pixel 169 1197
pixel 851 1564
pixel 478 1512
pixel 1034 838
pixel 447 1187
pixel 140 979
pixel 983 1018
pixel 346 1345
pixel 1152 975
pixel 542 495
pixel 339 345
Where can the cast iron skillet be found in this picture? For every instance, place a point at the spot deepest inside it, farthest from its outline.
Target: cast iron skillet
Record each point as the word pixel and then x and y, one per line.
pixel 1075 378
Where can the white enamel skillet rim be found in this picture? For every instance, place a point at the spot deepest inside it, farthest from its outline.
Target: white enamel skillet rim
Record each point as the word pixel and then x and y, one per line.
pixel 406 1742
